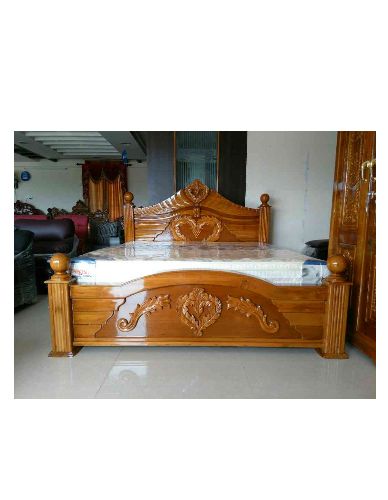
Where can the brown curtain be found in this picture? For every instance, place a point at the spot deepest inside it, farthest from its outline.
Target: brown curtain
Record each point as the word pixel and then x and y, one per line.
pixel 96 195
pixel 114 198
pixel 104 183
pixel 106 194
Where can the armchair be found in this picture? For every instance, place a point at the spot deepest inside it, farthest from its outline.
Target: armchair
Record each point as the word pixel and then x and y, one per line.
pixel 25 291
pixel 103 232
pixel 49 237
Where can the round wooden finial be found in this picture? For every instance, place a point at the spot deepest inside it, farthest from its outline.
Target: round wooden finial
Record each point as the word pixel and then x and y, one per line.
pixel 337 264
pixel 264 198
pixel 128 197
pixel 59 263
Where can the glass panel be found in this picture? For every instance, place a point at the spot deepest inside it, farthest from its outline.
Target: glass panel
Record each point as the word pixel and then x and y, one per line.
pixel 196 158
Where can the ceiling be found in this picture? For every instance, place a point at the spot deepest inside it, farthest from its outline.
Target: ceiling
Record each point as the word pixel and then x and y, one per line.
pixel 78 145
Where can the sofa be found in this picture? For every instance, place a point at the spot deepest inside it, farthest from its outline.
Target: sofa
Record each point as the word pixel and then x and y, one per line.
pixel 81 224
pixel 104 232
pixel 50 236
pixel 31 217
pixel 25 291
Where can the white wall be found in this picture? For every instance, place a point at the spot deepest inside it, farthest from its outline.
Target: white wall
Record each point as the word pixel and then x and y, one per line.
pixel 59 184
pixel 52 184
pixel 297 170
pixel 138 183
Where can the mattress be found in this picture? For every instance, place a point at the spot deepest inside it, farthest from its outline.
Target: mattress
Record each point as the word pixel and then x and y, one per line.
pixel 131 261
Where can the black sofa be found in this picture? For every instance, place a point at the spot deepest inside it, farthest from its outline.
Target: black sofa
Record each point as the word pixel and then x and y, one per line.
pixel 25 291
pixel 50 236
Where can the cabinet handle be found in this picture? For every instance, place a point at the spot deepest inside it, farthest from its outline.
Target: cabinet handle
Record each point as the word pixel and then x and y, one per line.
pixel 363 167
pixel 372 179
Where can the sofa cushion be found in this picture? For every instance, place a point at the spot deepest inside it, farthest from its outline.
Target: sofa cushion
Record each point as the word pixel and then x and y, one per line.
pixel 33 217
pixel 318 243
pixel 48 230
pixel 80 223
pixel 53 246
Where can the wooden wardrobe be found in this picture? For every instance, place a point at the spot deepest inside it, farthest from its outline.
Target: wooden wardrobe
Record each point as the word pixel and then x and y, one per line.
pixel 353 230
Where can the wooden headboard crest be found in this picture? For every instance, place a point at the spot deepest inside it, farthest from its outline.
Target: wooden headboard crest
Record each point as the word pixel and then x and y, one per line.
pixel 196 213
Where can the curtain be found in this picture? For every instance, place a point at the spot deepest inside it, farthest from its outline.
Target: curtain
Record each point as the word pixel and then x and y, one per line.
pixel 96 195
pixel 104 183
pixel 114 198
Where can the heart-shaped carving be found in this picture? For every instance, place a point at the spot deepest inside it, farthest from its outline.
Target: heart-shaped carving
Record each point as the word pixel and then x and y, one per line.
pixel 196 191
pixel 196 226
pixel 198 310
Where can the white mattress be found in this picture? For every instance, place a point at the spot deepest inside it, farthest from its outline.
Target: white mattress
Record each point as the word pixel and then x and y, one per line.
pixel 120 264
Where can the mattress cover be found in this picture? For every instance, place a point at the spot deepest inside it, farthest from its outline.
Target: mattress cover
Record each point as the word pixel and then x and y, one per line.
pixel 130 261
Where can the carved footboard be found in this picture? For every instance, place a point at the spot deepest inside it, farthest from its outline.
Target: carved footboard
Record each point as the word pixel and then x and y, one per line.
pixel 208 308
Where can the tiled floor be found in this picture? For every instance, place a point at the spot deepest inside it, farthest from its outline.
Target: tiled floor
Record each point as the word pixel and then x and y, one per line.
pixel 179 372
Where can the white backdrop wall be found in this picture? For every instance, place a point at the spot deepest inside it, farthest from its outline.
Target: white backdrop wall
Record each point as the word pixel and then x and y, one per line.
pixel 59 184
pixel 138 183
pixel 297 170
pixel 52 184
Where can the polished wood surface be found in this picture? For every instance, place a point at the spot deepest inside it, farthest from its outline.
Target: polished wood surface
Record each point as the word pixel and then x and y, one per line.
pixel 336 309
pixel 197 213
pixel 192 308
pixel 208 308
pixel 129 226
pixel 353 233
pixel 60 307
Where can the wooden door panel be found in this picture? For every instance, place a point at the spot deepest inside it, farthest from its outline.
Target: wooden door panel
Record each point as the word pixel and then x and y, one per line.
pixel 353 234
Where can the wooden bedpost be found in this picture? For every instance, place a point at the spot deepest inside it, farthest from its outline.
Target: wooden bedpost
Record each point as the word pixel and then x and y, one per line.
pixel 265 210
pixel 129 221
pixel 61 318
pixel 336 309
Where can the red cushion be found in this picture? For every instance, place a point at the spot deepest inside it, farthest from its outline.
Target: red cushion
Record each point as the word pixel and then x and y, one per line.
pixel 36 217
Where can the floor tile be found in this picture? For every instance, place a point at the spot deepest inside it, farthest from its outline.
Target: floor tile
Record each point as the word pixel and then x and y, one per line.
pixel 302 373
pixel 176 373
pixel 179 372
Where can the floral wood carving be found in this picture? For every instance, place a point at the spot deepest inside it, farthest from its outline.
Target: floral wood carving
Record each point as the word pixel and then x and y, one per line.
pixel 80 208
pixel 348 253
pixel 196 191
pixel 54 212
pixel 198 310
pixel 196 226
pixel 100 215
pixel 147 307
pixel 353 160
pixel 248 308
pixel 21 208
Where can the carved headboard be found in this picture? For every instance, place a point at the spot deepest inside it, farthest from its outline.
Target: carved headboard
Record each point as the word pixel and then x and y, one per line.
pixel 196 213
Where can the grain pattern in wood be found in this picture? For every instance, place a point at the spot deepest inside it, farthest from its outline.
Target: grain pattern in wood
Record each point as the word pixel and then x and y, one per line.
pixel 352 230
pixel 61 320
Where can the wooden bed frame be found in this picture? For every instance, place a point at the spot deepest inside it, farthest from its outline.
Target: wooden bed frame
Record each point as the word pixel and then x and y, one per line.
pixel 198 308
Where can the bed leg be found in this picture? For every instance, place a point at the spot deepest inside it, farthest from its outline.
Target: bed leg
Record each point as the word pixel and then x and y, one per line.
pixel 333 346
pixel 61 320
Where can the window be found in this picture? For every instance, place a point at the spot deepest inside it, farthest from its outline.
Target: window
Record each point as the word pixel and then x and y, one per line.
pixel 196 157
